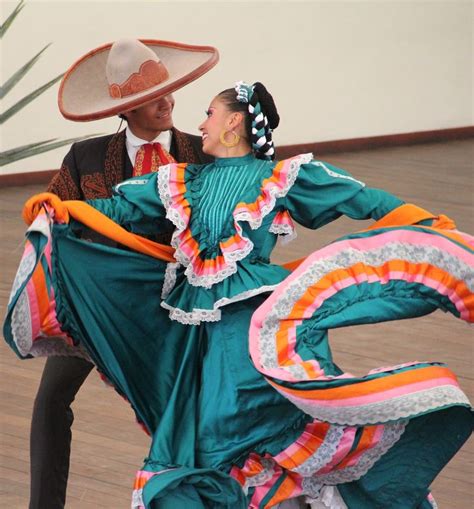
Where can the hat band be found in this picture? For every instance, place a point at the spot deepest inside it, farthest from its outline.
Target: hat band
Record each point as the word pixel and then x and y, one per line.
pixel 151 73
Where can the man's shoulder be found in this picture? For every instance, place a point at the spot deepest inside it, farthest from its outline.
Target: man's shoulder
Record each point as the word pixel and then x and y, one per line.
pixel 190 137
pixel 188 147
pixel 97 144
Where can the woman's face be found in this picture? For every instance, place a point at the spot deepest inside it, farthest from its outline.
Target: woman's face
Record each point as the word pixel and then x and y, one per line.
pixel 217 120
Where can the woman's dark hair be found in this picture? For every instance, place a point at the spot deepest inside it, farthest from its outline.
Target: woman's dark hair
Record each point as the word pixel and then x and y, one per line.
pixel 268 104
pixel 262 102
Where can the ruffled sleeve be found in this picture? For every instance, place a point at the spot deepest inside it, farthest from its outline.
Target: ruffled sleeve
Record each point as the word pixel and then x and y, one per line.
pixel 322 193
pixel 135 204
pixel 283 226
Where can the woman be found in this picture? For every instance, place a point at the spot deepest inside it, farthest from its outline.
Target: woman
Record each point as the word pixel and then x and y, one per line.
pixel 235 431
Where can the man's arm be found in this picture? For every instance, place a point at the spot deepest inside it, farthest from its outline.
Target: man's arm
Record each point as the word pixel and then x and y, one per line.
pixel 66 183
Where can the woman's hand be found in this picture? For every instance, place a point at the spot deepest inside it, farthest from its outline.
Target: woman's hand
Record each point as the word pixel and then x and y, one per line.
pixel 33 206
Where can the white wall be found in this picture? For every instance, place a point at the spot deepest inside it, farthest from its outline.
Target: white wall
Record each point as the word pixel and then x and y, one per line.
pixel 336 69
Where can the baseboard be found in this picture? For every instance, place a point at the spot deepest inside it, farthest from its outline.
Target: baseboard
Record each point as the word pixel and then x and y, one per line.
pixel 284 151
pixel 24 179
pixel 372 142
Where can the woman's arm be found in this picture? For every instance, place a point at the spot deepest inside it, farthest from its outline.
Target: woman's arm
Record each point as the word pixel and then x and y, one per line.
pixel 135 204
pixel 322 193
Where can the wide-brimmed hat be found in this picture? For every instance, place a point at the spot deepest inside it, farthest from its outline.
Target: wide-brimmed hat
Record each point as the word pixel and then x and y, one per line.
pixel 129 73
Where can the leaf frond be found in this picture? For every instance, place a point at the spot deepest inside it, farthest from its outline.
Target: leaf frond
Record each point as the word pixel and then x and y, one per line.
pixel 7 23
pixel 27 99
pixel 33 149
pixel 18 75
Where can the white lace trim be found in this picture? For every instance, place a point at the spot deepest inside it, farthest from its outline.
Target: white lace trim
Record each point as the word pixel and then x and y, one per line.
pixel 336 175
pixel 391 435
pixel 130 183
pixel 198 315
pixel 137 499
pixel 42 225
pixel 312 486
pixel 401 407
pixel 231 258
pixel 194 317
pixel 328 498
pixel 348 257
pixel 275 192
pixel 40 346
pixel 432 501
pixel 27 265
pixel 53 346
pixel 21 326
pixel 180 224
pixel 170 279
pixel 323 454
pixel 286 232
pixel 262 477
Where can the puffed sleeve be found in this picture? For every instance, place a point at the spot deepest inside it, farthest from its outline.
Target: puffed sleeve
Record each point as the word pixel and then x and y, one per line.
pixel 135 204
pixel 322 193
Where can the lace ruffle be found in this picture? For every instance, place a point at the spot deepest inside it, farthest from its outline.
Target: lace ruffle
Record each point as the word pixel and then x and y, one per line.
pixel 196 316
pixel 172 182
pixel 137 499
pixel 312 486
pixel 402 407
pixel 261 478
pixel 328 498
pixel 347 258
pixel 277 186
pixel 323 454
pixel 284 227
pixel 170 279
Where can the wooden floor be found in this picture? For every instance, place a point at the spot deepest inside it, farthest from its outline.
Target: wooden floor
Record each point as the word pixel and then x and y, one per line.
pixel 108 447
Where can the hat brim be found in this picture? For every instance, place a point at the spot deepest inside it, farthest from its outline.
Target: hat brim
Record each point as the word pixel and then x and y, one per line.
pixel 84 90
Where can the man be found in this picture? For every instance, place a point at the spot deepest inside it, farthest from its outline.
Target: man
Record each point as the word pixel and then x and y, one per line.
pixel 136 85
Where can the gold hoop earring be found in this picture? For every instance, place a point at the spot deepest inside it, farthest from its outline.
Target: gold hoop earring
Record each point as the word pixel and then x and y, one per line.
pixel 229 144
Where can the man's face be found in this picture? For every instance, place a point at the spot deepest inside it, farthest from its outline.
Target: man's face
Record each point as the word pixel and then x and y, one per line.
pixel 154 117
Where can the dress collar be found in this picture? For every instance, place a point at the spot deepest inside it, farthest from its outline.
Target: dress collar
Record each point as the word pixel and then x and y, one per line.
pixel 235 161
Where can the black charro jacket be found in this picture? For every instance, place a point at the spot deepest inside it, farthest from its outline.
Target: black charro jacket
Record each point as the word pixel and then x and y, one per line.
pixel 92 167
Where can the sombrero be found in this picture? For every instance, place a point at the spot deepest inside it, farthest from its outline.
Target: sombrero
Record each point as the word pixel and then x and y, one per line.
pixel 129 73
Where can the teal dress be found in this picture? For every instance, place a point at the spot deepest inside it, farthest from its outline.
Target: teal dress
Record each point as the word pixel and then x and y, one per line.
pixel 226 218
pixel 174 339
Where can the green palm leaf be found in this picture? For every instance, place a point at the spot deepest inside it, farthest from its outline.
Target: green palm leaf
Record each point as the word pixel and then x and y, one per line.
pixel 13 151
pixel 27 99
pixel 32 149
pixel 6 25
pixel 9 84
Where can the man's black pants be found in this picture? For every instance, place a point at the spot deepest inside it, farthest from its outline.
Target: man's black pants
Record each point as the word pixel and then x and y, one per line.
pixel 50 438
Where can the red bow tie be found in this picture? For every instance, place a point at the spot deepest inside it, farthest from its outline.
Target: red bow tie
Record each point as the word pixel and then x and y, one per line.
pixel 150 157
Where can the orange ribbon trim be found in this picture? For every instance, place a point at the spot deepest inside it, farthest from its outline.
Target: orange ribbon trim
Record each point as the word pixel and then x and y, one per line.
pixel 100 223
pixel 409 214
pixel 404 215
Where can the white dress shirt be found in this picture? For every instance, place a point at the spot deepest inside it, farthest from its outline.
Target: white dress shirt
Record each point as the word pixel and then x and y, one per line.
pixel 133 143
